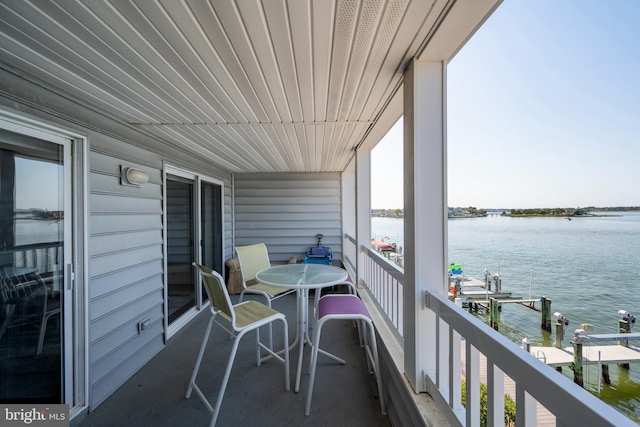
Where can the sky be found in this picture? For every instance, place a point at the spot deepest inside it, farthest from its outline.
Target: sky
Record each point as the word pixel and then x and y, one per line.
pixel 38 184
pixel 543 110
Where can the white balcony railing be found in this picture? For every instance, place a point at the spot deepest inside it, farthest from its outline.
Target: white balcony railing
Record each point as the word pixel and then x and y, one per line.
pixel 457 331
pixel 46 258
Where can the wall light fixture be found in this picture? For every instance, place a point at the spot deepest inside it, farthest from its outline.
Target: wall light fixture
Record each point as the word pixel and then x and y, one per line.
pixel 133 177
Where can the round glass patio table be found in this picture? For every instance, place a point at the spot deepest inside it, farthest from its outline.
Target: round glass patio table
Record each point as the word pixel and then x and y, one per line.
pixel 302 278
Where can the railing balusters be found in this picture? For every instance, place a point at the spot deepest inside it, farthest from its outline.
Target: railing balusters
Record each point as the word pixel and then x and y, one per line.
pixel 472 377
pixel 45 257
pixel 495 395
pixel 570 404
pixel 525 408
pixel 383 280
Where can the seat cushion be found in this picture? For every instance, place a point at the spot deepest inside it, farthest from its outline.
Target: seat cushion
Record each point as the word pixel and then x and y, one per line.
pixel 250 312
pixel 341 305
pixel 272 290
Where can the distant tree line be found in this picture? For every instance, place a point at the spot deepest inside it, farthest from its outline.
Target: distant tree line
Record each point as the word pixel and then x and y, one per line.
pixel 476 212
pixel 542 212
pixel 390 213
pixel 613 208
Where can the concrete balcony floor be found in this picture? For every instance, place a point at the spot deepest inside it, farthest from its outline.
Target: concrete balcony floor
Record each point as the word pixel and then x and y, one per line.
pixel 344 395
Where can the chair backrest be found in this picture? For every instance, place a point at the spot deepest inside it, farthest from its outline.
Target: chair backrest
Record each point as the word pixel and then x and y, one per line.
pixel 253 258
pixel 216 291
pixel 19 283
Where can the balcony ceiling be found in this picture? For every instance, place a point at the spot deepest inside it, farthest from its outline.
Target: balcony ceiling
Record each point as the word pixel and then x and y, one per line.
pixel 254 86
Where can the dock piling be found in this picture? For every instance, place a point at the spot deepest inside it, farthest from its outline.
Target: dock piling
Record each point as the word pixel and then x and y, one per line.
pixel 559 334
pixel 494 313
pixel 546 313
pixel 624 328
pixel 577 341
pixel 605 374
pixel 561 325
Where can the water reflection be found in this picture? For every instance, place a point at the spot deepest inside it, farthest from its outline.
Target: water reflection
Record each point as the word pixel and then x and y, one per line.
pixel 31 260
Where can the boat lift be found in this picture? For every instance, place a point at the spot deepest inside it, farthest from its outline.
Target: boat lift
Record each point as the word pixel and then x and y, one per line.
pixel 601 353
pixel 472 294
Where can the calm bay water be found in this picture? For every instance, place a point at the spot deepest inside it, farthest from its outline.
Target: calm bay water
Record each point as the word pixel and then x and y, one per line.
pixel 34 231
pixel 589 267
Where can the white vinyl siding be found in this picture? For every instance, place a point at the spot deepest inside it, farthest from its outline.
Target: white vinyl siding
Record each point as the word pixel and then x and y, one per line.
pixel 286 211
pixel 125 266
pixel 126 283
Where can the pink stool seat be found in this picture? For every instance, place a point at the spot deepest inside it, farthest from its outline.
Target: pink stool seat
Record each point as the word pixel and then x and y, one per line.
pixel 339 305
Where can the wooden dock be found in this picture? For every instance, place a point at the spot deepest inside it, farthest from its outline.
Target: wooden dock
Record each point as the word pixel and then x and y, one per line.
pixel 591 355
pixel 472 289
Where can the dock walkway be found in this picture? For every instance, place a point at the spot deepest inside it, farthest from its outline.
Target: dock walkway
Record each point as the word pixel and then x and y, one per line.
pixel 591 354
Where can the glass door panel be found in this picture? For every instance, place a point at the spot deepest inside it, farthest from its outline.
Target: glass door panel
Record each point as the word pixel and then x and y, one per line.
pixel 33 218
pixel 211 227
pixel 181 290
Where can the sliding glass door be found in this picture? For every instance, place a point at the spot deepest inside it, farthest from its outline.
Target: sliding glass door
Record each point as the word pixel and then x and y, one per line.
pixel 211 227
pixel 181 294
pixel 194 218
pixel 35 248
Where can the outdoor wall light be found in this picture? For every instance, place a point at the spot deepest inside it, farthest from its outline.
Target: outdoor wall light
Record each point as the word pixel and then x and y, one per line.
pixel 133 177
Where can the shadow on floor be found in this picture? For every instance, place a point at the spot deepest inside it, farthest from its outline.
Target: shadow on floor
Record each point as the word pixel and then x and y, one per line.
pixel 344 395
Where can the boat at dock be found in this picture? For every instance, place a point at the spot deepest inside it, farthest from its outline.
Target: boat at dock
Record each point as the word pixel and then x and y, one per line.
pixel 389 250
pixel 383 245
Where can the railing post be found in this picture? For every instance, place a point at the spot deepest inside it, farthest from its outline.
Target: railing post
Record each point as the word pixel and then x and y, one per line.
pixel 362 209
pixel 425 209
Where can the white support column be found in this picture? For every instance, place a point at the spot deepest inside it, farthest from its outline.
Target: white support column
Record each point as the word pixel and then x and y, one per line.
pixel 425 213
pixel 363 207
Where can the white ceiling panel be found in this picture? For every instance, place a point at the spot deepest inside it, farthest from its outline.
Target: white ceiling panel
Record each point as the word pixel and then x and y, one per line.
pixel 251 85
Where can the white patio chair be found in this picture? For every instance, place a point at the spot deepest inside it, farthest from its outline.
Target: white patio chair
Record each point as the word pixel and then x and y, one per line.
pixel 242 317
